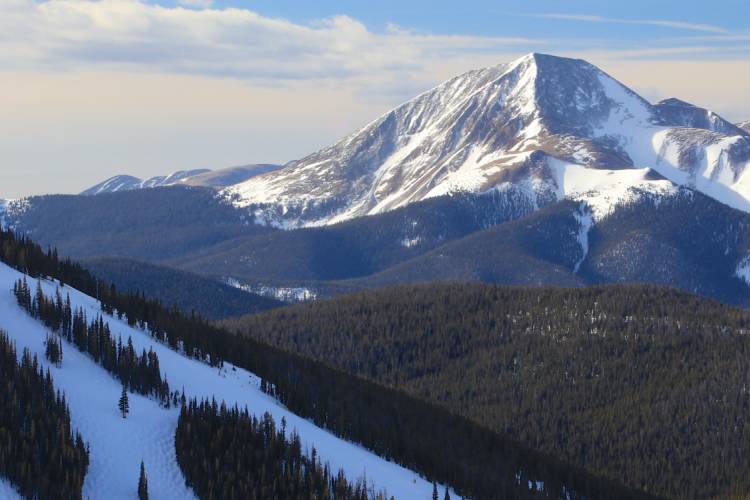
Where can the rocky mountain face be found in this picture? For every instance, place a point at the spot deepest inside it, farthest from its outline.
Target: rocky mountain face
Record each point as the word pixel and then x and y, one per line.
pixel 744 125
pixel 520 124
pixel 201 178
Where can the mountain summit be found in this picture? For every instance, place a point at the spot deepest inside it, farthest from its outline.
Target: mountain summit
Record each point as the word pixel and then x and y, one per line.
pixel 526 123
pixel 200 177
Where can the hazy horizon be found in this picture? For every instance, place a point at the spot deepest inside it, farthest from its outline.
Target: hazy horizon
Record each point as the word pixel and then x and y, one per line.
pixel 95 89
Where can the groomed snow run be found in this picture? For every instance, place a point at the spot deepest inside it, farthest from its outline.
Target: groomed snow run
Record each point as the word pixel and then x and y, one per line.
pixel 118 445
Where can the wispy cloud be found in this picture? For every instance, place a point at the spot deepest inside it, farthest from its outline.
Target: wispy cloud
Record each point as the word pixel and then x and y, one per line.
pixel 95 87
pixel 199 4
pixel 707 28
pixel 133 34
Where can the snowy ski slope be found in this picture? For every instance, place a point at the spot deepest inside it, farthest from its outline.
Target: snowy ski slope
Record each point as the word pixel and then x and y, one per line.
pixel 118 445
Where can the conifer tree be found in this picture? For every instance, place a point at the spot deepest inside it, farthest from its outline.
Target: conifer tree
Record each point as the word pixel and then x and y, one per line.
pixel 142 484
pixel 123 403
pixel 447 495
pixel 53 350
pixel 434 492
pixel 40 455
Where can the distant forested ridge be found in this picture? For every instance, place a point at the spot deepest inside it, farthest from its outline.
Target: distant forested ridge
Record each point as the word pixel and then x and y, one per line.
pixel 431 440
pixel 189 292
pixel 143 224
pixel 646 385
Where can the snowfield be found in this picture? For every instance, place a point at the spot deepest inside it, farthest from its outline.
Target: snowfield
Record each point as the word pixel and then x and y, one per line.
pixel 285 294
pixel 118 445
pixel 603 190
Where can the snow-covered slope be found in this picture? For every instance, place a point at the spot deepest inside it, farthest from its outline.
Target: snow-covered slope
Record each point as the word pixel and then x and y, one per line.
pixel 744 125
pixel 229 176
pixel 200 177
pixel 128 182
pixel 7 492
pixel 118 445
pixel 603 190
pixel 488 127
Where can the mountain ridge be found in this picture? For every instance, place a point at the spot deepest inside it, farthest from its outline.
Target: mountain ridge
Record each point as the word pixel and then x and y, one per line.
pixel 202 177
pixel 486 128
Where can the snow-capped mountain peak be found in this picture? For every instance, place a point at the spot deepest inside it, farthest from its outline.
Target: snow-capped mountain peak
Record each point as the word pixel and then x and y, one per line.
pixel 200 177
pixel 483 128
pixel 128 182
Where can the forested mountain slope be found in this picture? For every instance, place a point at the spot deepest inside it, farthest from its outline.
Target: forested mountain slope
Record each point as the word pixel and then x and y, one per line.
pixel 645 385
pixel 117 445
pixel 189 292
pixel 681 238
pixel 686 240
pixel 146 224
pixel 359 247
pixel 318 401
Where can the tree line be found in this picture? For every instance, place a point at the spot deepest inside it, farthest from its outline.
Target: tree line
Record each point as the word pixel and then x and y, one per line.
pixel 646 385
pixel 481 463
pixel 139 373
pixel 243 456
pixel 39 453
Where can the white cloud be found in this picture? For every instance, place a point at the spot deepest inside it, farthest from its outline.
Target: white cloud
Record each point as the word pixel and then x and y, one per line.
pixel 647 22
pixel 200 4
pixel 131 34
pixel 95 88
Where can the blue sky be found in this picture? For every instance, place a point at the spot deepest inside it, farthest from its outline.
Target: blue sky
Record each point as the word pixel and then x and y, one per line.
pixel 525 18
pixel 493 17
pixel 94 88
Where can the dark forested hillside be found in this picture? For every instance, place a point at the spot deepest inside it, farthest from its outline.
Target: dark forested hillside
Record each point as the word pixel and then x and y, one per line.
pixel 39 453
pixel 359 247
pixel 688 241
pixel 191 228
pixel 481 463
pixel 539 249
pixel 144 224
pixel 249 457
pixel 685 239
pixel 645 385
pixel 189 292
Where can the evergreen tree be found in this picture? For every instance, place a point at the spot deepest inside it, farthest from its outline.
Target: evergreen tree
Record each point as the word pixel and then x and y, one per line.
pixel 39 453
pixel 142 484
pixel 434 492
pixel 447 495
pixel 140 373
pixel 123 404
pixel 243 456
pixel 53 349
